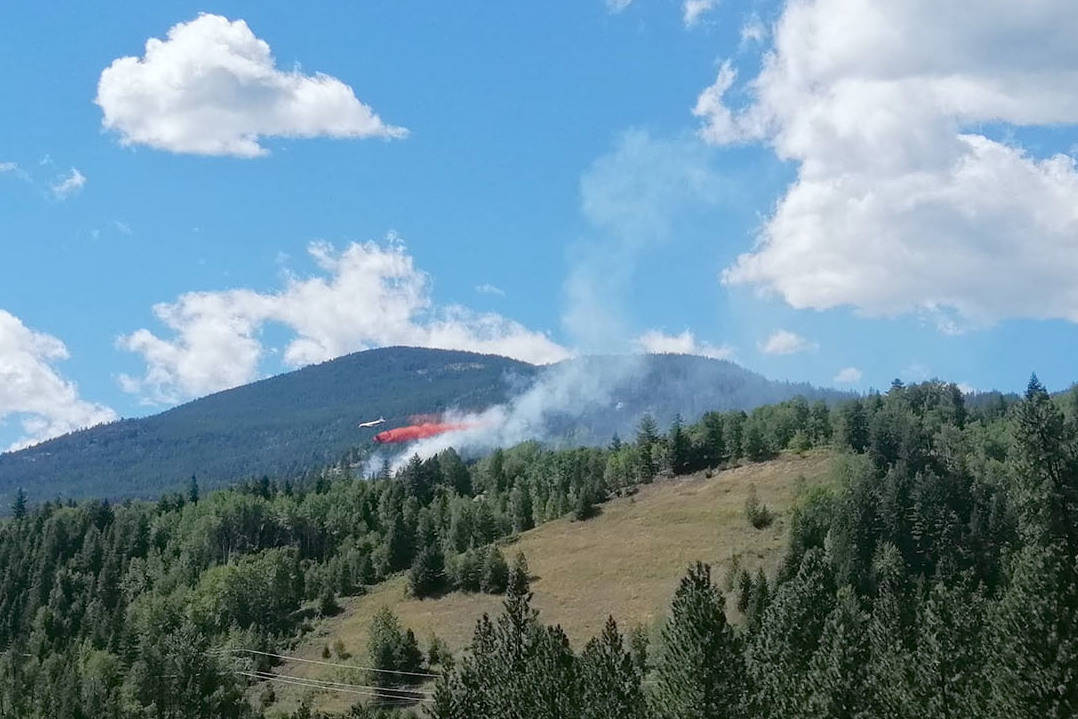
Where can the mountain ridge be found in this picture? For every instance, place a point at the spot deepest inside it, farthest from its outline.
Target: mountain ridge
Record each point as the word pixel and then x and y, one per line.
pixel 284 424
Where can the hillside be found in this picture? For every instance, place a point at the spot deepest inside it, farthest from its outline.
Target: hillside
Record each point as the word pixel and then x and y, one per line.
pixel 285 424
pixel 626 562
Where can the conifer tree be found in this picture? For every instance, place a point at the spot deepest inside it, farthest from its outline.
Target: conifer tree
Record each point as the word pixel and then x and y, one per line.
pixel 427 574
pixel 610 678
pixel 18 507
pixel 680 447
pixel 854 426
pixel 947 663
pixel 788 636
pixel 495 572
pixel 836 674
pixel 698 668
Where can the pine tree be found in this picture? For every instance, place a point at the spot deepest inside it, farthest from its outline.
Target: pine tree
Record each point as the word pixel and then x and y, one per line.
pixel 495 572
pixel 698 669
pixel 647 435
pixel 384 648
pixel 192 490
pixel 1047 486
pixel 714 450
pixel 427 575
pixel 788 636
pixel 454 473
pixel 854 426
pixel 756 446
pixel 947 663
pixel 680 447
pixel 1033 656
pixel 836 674
pixel 18 507
pixel 610 678
pixel 409 659
pixel 520 508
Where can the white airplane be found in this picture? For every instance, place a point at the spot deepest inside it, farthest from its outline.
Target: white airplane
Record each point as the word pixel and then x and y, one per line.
pixel 373 422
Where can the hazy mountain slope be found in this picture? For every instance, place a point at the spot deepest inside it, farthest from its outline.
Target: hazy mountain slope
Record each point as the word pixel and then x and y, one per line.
pixel 277 425
pixel 307 418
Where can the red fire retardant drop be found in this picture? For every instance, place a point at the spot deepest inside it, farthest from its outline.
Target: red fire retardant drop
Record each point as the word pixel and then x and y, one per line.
pixel 417 431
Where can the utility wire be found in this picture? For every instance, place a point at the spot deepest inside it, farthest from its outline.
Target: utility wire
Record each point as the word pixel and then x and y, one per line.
pixel 309 685
pixel 409 693
pixel 331 664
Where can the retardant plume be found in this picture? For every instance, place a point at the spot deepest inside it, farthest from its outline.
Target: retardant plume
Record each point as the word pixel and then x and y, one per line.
pixel 419 431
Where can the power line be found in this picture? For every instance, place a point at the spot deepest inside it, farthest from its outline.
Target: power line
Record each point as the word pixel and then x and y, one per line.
pixel 406 692
pixel 309 685
pixel 331 664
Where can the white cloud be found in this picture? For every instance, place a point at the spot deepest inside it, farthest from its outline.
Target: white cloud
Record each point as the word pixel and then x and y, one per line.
pixel 784 342
pixel 692 10
pixel 366 295
pixel 966 388
pixel 656 342
pixel 616 6
pixel 848 375
pixel 8 166
pixel 68 184
pixel 213 88
pixel 33 392
pixel 901 203
pixel 488 289
pixel 753 31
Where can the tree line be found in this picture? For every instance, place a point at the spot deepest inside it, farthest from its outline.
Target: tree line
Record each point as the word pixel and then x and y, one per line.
pixel 949 516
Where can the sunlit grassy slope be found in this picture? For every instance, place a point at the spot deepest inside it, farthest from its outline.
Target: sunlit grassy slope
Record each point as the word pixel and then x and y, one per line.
pixel 625 562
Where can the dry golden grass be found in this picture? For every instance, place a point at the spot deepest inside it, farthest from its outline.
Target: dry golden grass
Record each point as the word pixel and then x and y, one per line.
pixel 626 562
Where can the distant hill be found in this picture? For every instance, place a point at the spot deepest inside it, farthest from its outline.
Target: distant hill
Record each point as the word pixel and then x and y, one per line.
pixel 307 418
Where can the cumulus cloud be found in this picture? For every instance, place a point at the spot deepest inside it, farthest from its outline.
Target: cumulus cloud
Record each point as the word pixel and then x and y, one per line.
pixel 68 184
pixel 213 88
pixel 784 342
pixel 848 375
pixel 488 289
pixel 33 392
pixel 366 295
pixel 657 342
pixel 902 203
pixel 692 10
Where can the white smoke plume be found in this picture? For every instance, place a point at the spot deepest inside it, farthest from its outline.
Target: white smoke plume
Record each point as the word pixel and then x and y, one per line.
pixel 563 391
pixel 630 198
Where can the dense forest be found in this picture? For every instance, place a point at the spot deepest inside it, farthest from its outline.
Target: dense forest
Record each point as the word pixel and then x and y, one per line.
pixel 305 419
pixel 938 578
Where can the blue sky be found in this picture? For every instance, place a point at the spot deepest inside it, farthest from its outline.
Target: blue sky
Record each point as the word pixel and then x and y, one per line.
pixel 574 177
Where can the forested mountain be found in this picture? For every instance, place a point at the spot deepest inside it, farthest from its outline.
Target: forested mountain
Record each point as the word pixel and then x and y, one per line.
pixel 936 576
pixel 285 424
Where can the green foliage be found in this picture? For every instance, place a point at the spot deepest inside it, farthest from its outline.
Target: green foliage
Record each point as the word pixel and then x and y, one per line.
pixel 756 512
pixel 427 575
pixel 495 576
pixel 699 668
pixel 610 677
pixel 935 577
pixel 18 505
pixel 392 652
